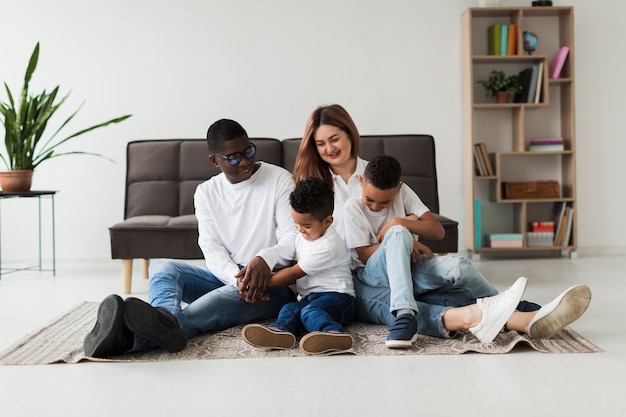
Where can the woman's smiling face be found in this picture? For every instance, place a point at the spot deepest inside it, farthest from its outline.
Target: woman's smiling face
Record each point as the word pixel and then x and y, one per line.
pixel 333 145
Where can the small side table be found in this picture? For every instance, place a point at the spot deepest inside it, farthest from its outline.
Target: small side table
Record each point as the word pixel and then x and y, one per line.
pixel 38 195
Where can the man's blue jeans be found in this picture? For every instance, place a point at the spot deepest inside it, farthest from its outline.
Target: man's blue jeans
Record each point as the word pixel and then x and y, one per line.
pixel 390 281
pixel 324 312
pixel 212 305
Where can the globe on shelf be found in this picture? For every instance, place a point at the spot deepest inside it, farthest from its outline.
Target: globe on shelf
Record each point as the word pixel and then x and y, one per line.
pixel 530 42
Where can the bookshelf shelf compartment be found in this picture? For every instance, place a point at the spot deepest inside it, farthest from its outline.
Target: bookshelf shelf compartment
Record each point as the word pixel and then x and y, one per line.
pixel 507 129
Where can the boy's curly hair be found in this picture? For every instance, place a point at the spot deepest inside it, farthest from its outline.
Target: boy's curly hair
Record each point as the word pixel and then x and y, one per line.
pixel 313 195
pixel 383 172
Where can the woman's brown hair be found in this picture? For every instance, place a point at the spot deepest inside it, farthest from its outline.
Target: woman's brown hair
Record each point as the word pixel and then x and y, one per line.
pixel 309 163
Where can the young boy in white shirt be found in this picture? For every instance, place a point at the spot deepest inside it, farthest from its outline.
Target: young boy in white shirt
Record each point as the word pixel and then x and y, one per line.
pixel 322 278
pixel 381 228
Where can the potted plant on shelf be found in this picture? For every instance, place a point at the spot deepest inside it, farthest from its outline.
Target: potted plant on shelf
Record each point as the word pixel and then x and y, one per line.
pixel 501 86
pixel 25 122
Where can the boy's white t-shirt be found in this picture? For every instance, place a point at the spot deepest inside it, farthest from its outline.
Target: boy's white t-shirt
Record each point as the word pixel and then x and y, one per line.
pixel 326 262
pixel 362 225
pixel 237 222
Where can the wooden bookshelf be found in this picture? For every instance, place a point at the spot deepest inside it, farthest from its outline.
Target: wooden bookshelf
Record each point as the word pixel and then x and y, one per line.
pixel 506 129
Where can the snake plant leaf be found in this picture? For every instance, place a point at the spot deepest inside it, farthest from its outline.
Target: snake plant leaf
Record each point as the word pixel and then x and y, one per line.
pixel 26 125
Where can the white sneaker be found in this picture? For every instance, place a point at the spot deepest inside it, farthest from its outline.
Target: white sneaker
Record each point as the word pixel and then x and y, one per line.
pixel 497 310
pixel 558 313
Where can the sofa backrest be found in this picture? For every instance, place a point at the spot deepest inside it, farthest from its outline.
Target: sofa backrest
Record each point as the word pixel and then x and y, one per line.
pixel 416 154
pixel 174 168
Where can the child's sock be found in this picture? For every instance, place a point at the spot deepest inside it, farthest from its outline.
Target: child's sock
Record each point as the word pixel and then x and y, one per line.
pixel 405 311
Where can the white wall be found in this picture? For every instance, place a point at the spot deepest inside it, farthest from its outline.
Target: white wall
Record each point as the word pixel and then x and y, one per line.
pixel 178 66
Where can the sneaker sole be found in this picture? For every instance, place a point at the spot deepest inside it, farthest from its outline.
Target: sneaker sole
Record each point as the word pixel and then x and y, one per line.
pixel 573 305
pixel 401 344
pixel 145 321
pixel 103 339
pixel 262 337
pixel 317 343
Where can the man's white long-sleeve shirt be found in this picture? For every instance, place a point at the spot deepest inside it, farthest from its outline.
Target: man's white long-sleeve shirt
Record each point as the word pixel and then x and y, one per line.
pixel 238 221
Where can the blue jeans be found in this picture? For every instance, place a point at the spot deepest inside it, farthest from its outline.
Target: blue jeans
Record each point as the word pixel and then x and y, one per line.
pixel 323 311
pixel 212 305
pixel 447 281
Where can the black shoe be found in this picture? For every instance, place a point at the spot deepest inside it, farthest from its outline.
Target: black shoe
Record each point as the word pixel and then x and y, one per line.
pixel 109 337
pixel 154 324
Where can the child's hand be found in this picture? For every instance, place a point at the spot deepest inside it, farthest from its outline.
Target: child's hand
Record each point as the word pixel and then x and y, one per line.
pixel 420 249
pixel 387 226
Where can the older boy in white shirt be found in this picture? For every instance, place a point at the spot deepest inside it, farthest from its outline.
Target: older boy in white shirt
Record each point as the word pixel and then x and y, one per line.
pixel 382 227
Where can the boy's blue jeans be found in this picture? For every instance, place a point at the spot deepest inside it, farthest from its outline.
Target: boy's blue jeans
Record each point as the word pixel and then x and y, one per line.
pixel 390 281
pixel 212 305
pixel 324 312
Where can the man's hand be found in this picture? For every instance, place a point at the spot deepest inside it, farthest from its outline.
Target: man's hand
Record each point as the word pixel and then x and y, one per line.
pixel 420 249
pixel 252 281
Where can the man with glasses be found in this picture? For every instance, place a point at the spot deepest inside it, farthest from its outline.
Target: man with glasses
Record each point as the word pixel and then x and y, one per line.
pixel 243 217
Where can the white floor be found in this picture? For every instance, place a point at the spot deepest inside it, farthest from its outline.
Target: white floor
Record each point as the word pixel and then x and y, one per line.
pixel 523 382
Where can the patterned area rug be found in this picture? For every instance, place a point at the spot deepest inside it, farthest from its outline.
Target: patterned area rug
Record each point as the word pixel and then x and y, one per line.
pixel 61 341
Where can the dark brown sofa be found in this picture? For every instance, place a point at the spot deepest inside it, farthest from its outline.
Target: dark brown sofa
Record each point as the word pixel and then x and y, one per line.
pixel 162 175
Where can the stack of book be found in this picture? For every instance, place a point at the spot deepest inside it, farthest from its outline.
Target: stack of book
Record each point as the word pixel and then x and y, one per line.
pixel 541 233
pixel 502 39
pixel 482 163
pixel 546 144
pixel 531 79
pixel 505 240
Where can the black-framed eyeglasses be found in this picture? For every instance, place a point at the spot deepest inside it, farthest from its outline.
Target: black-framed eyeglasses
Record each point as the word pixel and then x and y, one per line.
pixel 236 157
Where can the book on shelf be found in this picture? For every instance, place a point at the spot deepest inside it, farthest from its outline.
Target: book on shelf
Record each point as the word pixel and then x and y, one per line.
pixel 546 141
pixel 534 239
pixel 524 77
pixel 532 87
pixel 512 40
pixel 504 41
pixel 568 227
pixel 538 89
pixel 558 211
pixel 559 235
pixel 493 39
pixel 505 236
pixel 546 144
pixel 505 240
pixel 539 148
pixel 506 244
pixel 556 66
pixel 480 165
pixel 483 156
pixel 542 226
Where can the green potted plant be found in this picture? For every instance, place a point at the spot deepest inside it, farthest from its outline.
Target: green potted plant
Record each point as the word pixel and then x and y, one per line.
pixel 501 86
pixel 25 123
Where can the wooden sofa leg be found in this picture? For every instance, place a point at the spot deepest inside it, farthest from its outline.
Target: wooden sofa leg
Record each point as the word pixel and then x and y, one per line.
pixel 127 274
pixel 145 264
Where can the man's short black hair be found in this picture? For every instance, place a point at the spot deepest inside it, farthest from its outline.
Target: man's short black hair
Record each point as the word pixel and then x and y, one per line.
pixel 222 131
pixel 383 172
pixel 313 195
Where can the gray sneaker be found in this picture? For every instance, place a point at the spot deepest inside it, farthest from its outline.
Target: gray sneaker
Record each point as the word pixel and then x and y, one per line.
pixel 497 310
pixel 560 312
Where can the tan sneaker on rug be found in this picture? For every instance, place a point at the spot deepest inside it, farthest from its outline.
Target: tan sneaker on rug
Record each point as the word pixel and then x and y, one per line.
pixel 264 337
pixel 560 312
pixel 318 343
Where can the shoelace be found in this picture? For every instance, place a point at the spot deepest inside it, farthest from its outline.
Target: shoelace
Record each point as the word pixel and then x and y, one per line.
pixel 489 301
